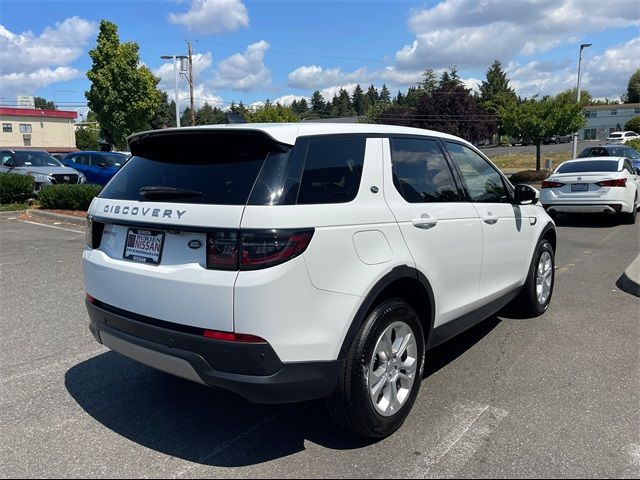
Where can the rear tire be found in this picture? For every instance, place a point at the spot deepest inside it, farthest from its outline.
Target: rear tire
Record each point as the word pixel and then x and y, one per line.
pixel 377 389
pixel 535 296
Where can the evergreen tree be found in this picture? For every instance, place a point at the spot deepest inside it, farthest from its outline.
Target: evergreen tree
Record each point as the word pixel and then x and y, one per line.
pixel 495 90
pixel 429 82
pixel 344 105
pixel 318 105
pixel 399 100
pixel 185 118
pixel 165 114
pixel 303 107
pixel 633 88
pixel 358 102
pixel 372 95
pixel 208 115
pixel 385 95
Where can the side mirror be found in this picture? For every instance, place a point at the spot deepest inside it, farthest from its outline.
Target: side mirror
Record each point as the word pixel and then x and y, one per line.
pixel 526 195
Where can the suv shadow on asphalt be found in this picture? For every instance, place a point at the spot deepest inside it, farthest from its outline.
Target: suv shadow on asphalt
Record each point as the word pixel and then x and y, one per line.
pixel 587 220
pixel 211 426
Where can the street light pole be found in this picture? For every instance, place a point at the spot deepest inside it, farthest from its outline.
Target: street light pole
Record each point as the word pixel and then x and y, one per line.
pixel 575 135
pixel 176 75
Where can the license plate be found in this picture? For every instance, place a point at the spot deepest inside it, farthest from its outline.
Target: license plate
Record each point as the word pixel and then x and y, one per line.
pixel 143 246
pixel 580 187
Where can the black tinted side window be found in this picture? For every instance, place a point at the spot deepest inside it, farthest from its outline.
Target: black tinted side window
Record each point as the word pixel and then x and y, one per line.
pixel 483 182
pixel 332 170
pixel 421 172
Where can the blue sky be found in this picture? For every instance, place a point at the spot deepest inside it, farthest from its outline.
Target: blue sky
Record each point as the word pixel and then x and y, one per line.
pixel 253 50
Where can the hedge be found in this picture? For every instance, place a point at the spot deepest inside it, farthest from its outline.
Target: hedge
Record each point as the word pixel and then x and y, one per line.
pixel 527 176
pixel 15 188
pixel 68 197
pixel 633 124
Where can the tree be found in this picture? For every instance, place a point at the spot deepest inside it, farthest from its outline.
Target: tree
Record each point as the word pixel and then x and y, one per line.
pixel 633 125
pixel 536 119
pixel 570 96
pixel 372 95
pixel 633 88
pixel 495 90
pixel 185 118
pixel 123 92
pixel 269 113
pixel 343 104
pixel 385 95
pixel 429 82
pixel 44 104
pixel 358 101
pixel 87 138
pixel 165 115
pixel 318 105
pixel 208 115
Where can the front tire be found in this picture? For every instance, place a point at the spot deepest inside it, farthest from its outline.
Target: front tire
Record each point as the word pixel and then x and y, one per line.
pixel 382 373
pixel 630 218
pixel 535 297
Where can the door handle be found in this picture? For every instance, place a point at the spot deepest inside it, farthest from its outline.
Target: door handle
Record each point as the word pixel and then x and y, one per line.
pixel 425 222
pixel 490 218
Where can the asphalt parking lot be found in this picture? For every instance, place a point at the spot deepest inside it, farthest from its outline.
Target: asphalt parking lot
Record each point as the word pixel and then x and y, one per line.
pixel 495 151
pixel 556 396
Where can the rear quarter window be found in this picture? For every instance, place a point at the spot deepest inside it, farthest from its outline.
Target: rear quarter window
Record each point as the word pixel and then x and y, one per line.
pixel 332 170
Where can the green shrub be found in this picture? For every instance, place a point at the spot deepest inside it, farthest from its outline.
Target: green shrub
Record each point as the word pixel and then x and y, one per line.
pixel 68 197
pixel 528 176
pixel 13 207
pixel 15 188
pixel 633 124
pixel 635 143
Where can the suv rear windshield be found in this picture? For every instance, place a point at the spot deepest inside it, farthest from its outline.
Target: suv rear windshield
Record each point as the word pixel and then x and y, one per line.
pixel 212 168
pixel 589 166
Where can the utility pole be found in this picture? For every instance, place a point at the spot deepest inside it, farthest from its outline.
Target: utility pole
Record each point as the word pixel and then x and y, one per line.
pixel 574 152
pixel 193 112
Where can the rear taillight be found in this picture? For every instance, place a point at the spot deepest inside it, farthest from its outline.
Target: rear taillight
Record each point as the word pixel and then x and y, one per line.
pixel 232 337
pixel 550 184
pixel 254 249
pixel 222 250
pixel 618 182
pixel 94 232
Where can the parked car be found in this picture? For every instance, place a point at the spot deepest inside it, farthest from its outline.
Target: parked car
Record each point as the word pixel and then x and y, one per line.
pixel 513 141
pixel 97 167
pixel 44 169
pixel 622 137
pixel 557 139
pixel 59 156
pixel 295 262
pixel 593 185
pixel 616 150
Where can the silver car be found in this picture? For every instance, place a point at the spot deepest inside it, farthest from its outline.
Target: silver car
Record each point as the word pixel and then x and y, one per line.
pixel 44 168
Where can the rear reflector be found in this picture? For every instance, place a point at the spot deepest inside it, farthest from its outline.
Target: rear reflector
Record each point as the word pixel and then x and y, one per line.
pixel 233 337
pixel 550 184
pixel 90 299
pixel 618 182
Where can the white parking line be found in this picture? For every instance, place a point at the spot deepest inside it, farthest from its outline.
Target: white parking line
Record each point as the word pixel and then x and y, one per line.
pixel 51 226
pixel 472 424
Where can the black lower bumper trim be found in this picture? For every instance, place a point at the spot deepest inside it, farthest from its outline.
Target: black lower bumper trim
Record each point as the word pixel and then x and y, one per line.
pixel 287 383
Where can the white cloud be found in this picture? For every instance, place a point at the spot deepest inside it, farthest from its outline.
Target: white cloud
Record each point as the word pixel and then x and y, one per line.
pixel 328 92
pixel 287 100
pixel 607 75
pixel 57 46
pixel 213 16
pixel 24 83
pixel 244 71
pixel 313 76
pixel 470 34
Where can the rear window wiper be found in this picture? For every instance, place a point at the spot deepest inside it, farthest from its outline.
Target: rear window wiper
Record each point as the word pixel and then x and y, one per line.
pixel 155 192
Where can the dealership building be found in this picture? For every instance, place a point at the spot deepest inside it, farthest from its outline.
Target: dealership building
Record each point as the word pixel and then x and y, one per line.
pixel 605 119
pixel 51 130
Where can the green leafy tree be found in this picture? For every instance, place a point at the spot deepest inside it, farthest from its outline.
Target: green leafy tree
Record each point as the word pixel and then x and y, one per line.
pixel 536 119
pixel 87 138
pixel 123 93
pixel 633 88
pixel 44 104
pixel 633 125
pixel 270 113
pixel 165 114
pixel 570 96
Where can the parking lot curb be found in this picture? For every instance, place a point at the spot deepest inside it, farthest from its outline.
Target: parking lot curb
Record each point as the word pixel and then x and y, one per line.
pixel 630 279
pixel 12 213
pixel 58 217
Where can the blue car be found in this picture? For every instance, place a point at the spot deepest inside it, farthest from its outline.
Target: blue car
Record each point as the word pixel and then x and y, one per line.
pixel 97 167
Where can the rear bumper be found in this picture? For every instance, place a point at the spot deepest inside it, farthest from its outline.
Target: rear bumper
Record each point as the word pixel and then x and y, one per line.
pixel 609 207
pixel 253 371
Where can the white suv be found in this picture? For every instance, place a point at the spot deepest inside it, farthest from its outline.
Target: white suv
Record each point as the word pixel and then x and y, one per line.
pixel 292 262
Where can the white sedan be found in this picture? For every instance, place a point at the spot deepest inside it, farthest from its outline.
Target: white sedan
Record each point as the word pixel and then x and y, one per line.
pixel 622 137
pixel 591 185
